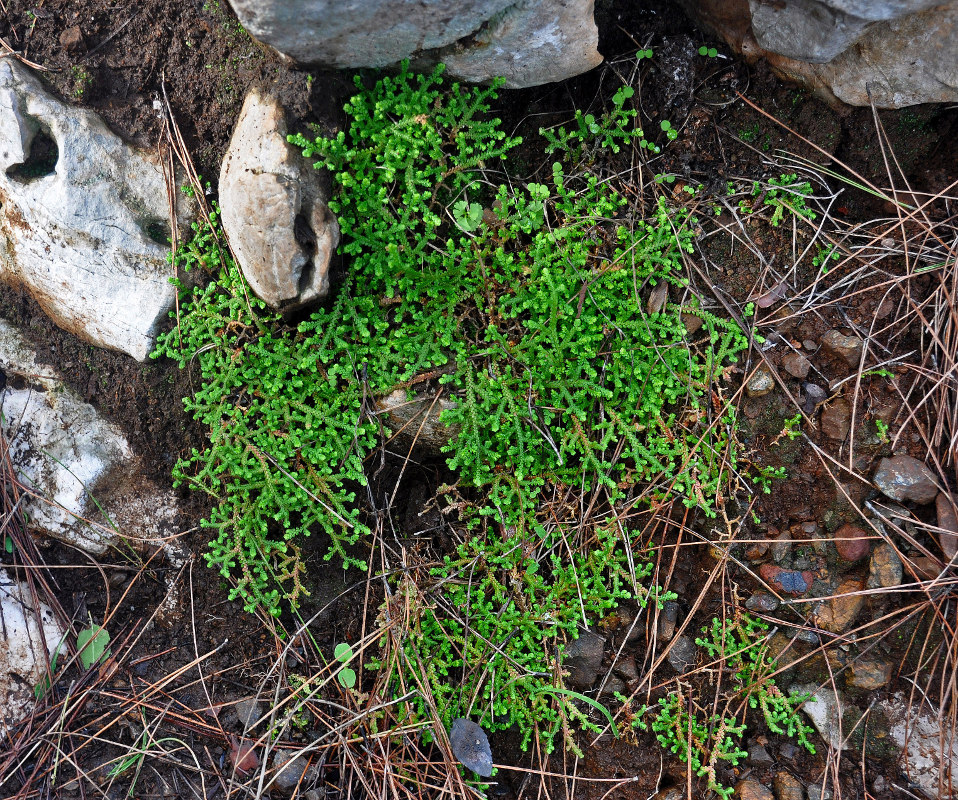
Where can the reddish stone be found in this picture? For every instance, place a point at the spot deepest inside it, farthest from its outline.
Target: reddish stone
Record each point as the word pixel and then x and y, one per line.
pixel 852 543
pixel 788 581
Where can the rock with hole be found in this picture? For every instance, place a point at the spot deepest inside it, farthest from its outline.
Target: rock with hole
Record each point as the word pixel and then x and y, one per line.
pixel 274 209
pixel 85 220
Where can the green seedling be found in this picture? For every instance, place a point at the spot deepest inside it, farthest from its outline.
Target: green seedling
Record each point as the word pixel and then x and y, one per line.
pixel 93 646
pixel 710 52
pixel 344 654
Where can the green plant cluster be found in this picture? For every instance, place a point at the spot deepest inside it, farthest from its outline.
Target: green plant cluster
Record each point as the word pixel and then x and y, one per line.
pixel 740 643
pixel 701 745
pixel 785 193
pixel 531 305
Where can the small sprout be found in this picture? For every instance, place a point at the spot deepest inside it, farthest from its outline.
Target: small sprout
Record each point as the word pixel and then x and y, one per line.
pixel 344 654
pixel 882 430
pixel 711 52
pixel 643 54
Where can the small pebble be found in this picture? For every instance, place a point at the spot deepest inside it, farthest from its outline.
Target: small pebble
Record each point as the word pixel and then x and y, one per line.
pixel 248 713
pixel 780 548
pixel 852 543
pixel 788 787
pixel 837 419
pixel 885 568
pixel 814 396
pixel 682 654
pixel 816 792
pixel 668 618
pixel 905 478
pixel 948 522
pixel 788 581
pixel 796 365
pixel 840 612
pixel 869 672
pixel 672 793
pixel 848 348
pixel 762 601
pixel 758 755
pixel 761 383
pixel 752 790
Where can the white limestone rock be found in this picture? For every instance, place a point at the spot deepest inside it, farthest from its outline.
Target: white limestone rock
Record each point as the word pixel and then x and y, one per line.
pixel 82 480
pixel 84 219
pixel 29 636
pixel 274 209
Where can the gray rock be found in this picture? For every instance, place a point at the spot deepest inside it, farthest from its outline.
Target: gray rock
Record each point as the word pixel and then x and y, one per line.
pixel 847 348
pixel 762 601
pixel 248 713
pixel 780 548
pixel 824 708
pixel 612 685
pixel 761 383
pixel 26 627
pixel 891 53
pixel 682 654
pixel 668 618
pixel 818 792
pixel 85 222
pixel 471 746
pixel 274 209
pixel 905 478
pixel 583 659
pixel 814 396
pixel 625 669
pixel 528 43
pixel 292 770
pixel 796 365
pixel 930 758
pixel 68 454
pixel 818 30
pixel 758 755
pixel 837 419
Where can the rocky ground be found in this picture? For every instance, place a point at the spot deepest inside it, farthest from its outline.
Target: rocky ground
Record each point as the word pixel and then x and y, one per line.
pixel 848 397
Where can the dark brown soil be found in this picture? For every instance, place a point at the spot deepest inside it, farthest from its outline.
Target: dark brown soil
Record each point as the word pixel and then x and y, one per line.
pixel 118 60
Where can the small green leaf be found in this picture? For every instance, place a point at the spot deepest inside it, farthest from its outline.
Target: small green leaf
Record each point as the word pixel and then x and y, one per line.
pixel 343 652
pixel 93 646
pixel 347 677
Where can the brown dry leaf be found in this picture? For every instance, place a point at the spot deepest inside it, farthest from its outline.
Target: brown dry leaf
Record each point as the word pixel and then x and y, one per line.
pixel 773 295
pixel 660 293
pixel 243 755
